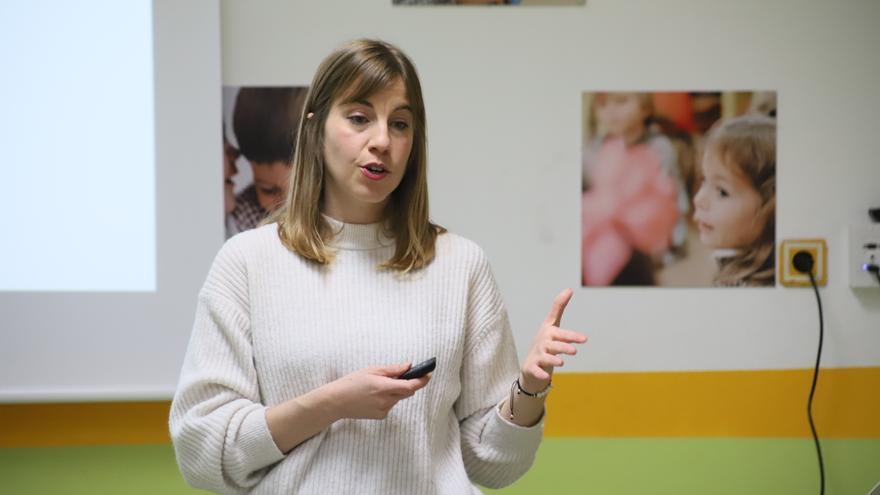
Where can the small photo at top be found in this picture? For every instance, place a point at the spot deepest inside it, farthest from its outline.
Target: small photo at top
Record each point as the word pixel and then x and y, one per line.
pixel 489 2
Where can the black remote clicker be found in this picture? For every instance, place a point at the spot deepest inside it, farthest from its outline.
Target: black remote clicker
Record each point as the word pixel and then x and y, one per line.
pixel 420 369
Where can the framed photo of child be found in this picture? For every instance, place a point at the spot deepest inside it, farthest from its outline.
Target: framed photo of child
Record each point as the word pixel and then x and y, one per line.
pixel 259 136
pixel 678 189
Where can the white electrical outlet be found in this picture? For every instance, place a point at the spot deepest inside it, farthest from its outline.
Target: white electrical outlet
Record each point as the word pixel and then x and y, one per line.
pixel 864 249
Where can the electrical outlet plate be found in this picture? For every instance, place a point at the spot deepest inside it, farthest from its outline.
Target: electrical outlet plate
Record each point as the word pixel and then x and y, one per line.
pixel 789 276
pixel 864 247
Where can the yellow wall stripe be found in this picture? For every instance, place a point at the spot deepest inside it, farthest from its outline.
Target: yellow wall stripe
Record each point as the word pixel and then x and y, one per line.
pixel 760 403
pixel 103 423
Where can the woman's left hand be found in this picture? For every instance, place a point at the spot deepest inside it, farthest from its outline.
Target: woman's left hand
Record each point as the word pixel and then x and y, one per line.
pixel 550 341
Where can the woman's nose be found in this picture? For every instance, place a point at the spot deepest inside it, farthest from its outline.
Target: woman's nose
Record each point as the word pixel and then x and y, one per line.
pixel 381 139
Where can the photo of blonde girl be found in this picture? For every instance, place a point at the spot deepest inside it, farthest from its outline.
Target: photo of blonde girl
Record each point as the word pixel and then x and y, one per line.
pixel 678 188
pixel 736 203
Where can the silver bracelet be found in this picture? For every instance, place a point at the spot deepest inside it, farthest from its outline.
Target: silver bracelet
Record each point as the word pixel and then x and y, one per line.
pixel 516 388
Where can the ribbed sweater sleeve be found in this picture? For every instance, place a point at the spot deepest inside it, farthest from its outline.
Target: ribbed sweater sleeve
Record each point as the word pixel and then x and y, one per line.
pixel 495 452
pixel 217 422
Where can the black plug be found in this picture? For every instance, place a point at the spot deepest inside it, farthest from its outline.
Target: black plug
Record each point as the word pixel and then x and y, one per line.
pixel 803 262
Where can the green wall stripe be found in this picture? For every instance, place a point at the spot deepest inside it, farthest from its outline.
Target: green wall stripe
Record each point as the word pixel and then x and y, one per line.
pixel 564 466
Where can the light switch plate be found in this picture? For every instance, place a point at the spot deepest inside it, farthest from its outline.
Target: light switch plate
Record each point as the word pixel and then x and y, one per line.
pixel 864 247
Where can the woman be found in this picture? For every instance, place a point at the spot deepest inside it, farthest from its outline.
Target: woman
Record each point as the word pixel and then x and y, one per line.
pixel 286 385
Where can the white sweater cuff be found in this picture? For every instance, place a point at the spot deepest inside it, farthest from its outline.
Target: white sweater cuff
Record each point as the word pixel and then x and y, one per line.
pixel 255 440
pixel 511 437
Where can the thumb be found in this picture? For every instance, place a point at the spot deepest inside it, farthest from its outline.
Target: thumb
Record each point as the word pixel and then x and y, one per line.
pixel 394 370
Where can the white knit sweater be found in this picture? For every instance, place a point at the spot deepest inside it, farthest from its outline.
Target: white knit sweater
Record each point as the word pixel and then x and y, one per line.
pixel 271 326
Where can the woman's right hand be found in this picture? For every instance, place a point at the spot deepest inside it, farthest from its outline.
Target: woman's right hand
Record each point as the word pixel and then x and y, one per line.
pixel 370 393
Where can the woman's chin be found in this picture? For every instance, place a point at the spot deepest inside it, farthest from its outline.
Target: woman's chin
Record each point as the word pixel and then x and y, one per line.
pixel 372 197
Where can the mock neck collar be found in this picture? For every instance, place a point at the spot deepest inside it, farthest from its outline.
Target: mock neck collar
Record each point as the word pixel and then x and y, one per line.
pixel 358 236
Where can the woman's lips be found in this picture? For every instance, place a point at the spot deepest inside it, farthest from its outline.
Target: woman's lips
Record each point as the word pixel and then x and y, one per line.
pixel 373 175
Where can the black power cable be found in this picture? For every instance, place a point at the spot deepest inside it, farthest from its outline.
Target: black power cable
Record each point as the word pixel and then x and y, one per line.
pixel 803 262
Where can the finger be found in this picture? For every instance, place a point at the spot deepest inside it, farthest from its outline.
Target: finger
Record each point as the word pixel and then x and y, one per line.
pixel 539 373
pixel 559 303
pixel 390 383
pixel 385 369
pixel 411 385
pixel 554 347
pixel 402 388
pixel 392 370
pixel 550 361
pixel 425 379
pixel 419 383
pixel 566 335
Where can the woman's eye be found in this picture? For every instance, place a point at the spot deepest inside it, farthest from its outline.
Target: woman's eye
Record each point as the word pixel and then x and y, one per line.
pixel 722 192
pixel 400 125
pixel 358 119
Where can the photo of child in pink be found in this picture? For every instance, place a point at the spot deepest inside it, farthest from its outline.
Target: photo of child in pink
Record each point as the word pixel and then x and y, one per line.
pixel 736 202
pixel 634 202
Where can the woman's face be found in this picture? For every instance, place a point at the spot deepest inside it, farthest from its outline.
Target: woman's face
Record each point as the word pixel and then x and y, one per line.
pixel 367 144
pixel 726 207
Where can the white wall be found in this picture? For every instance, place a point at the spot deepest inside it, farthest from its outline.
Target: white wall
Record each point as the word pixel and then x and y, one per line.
pixel 503 88
pixel 503 91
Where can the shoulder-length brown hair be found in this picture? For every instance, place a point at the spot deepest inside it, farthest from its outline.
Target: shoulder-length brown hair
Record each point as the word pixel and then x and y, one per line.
pixel 356 71
pixel 747 145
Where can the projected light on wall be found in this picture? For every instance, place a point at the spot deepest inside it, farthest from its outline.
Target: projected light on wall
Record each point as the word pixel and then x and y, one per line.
pixel 77 136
